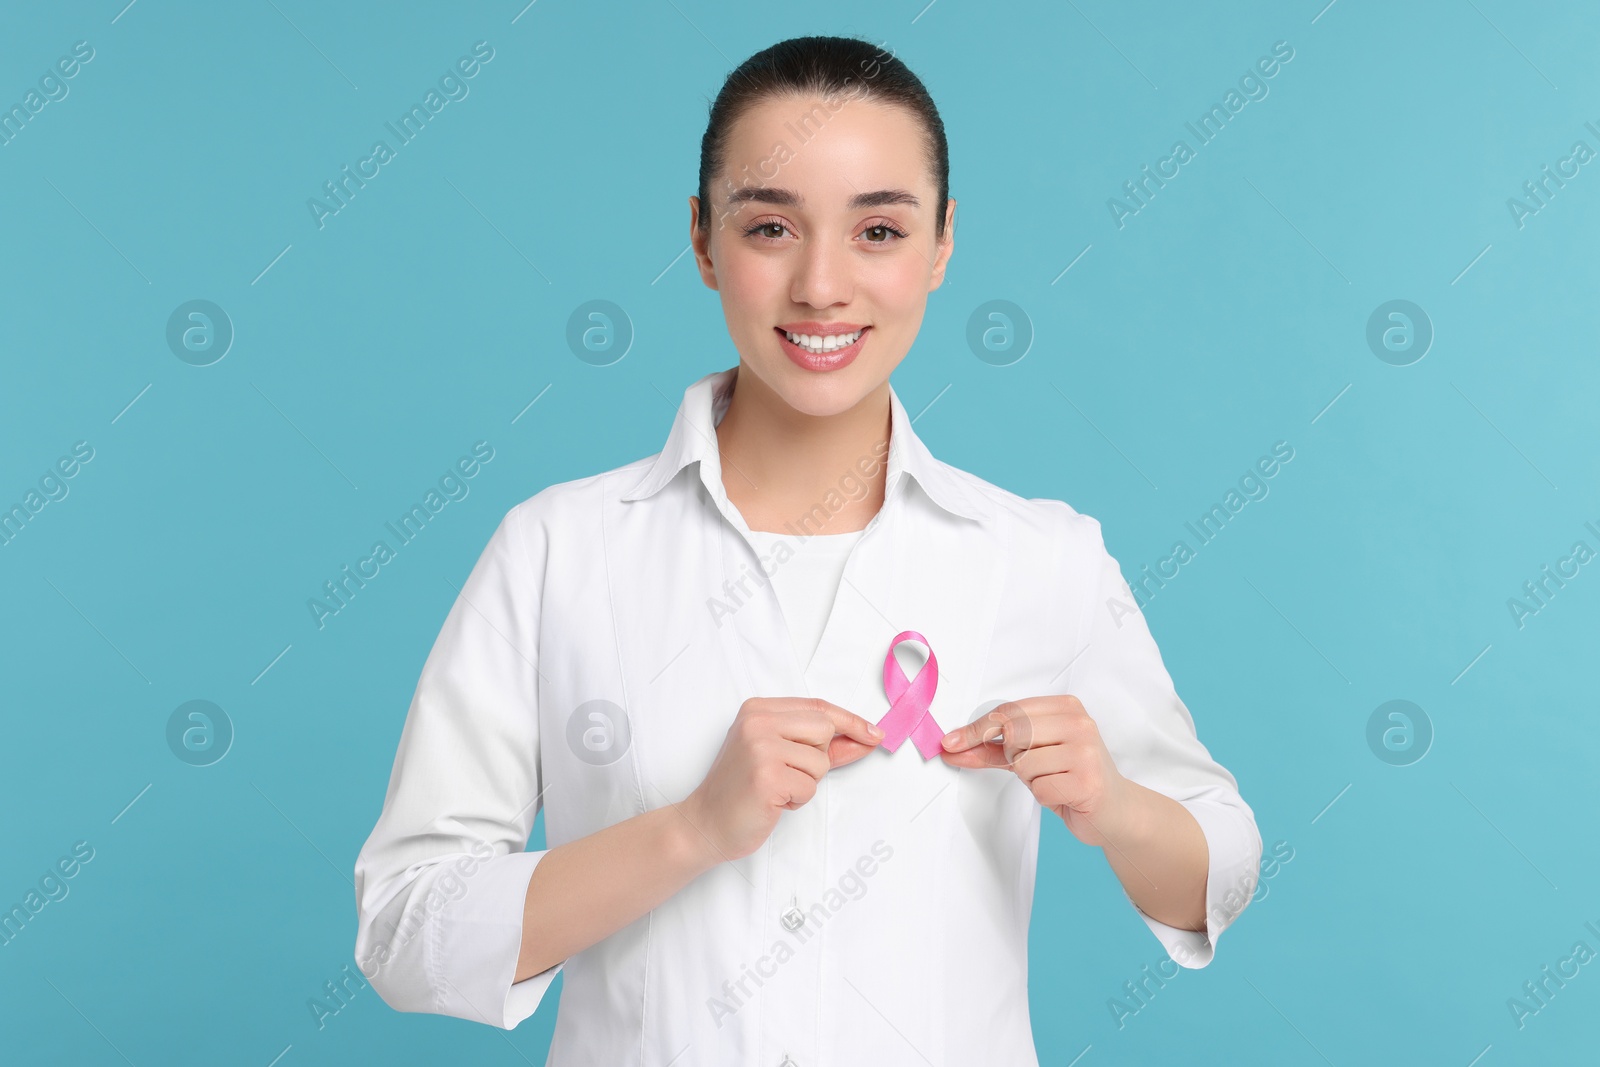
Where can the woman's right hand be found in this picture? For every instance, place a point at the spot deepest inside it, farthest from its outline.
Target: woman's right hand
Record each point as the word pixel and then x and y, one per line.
pixel 776 751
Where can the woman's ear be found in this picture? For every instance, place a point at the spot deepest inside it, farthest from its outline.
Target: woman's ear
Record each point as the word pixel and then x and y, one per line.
pixel 947 245
pixel 701 241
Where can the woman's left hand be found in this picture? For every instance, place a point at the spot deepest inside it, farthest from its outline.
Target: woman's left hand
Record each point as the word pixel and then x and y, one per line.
pixel 1055 748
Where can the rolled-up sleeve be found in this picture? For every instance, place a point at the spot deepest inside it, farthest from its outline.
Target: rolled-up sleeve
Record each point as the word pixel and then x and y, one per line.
pixel 1119 676
pixel 442 879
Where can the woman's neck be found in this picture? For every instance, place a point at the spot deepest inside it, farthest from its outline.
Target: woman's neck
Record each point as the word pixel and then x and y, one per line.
pixel 790 472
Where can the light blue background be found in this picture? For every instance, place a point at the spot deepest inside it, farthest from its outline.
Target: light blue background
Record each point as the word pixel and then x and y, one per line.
pixel 1225 316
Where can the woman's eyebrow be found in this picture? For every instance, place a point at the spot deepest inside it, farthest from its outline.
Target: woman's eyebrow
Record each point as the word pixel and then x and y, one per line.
pixel 763 194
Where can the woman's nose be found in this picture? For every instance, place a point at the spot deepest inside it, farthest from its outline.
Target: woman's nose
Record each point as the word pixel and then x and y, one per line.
pixel 822 275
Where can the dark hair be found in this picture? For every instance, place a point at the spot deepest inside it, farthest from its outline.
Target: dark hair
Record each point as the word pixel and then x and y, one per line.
pixel 829 67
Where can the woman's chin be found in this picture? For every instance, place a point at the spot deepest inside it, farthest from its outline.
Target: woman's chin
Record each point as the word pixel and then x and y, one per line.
pixel 824 394
pixel 819 393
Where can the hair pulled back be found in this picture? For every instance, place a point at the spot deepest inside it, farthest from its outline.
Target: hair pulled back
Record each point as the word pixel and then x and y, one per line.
pixel 837 69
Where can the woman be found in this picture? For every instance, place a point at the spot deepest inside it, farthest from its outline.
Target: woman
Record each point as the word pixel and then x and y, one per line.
pixel 702 667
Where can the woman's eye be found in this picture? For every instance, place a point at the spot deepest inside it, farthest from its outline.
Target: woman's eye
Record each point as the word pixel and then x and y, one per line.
pixel 763 229
pixel 883 231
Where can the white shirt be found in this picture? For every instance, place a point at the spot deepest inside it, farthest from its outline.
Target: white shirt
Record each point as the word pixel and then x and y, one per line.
pixel 591 666
pixel 805 574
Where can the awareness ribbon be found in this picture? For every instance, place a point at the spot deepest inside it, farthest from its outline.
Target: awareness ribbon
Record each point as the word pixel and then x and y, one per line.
pixel 909 714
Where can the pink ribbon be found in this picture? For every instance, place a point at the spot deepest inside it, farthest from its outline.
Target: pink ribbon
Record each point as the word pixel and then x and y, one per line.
pixel 910 701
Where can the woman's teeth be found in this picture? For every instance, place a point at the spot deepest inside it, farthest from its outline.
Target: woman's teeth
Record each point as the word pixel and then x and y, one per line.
pixel 819 345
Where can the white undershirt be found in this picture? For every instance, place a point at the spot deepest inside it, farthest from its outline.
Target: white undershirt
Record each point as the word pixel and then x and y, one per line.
pixel 806 582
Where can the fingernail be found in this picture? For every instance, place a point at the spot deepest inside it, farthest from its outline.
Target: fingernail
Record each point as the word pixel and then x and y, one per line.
pixel 951 738
pixel 875 730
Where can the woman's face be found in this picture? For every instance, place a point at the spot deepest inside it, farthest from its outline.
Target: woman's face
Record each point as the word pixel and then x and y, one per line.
pixel 829 235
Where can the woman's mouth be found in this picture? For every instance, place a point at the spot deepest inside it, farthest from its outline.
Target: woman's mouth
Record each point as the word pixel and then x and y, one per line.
pixel 819 351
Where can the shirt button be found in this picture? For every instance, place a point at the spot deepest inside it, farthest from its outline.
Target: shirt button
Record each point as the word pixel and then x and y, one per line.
pixel 792 920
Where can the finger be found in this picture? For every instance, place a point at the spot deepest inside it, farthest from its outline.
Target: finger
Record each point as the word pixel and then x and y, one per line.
pixel 1001 738
pixel 980 730
pixel 816 722
pixel 843 750
pixel 805 758
pixel 804 724
pixel 852 725
pixel 795 788
pixel 1062 788
pixel 987 754
pixel 1047 760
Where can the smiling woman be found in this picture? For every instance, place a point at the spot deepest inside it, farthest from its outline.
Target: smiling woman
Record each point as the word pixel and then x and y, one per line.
pixel 697 825
pixel 855 215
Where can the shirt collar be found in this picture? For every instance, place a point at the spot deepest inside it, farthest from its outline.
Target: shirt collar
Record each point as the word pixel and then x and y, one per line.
pixel 693 438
